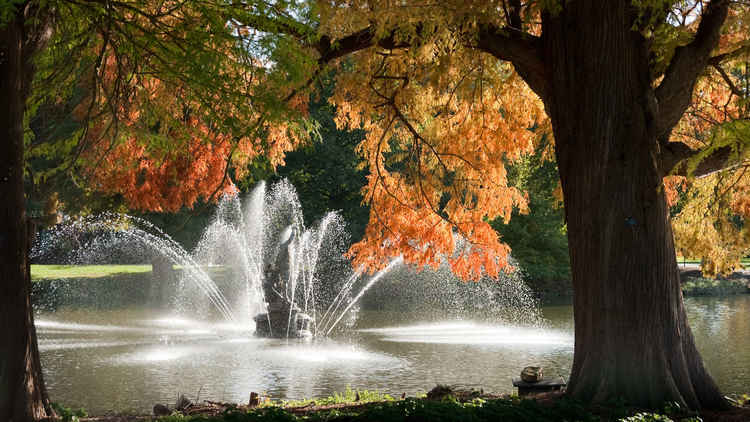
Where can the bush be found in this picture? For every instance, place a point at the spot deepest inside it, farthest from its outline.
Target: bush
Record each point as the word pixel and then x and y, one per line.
pixel 698 286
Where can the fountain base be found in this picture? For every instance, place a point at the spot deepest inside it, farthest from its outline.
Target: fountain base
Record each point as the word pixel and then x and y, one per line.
pixel 283 323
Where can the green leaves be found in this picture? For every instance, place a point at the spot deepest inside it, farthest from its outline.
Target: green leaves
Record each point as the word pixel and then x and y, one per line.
pixel 7 9
pixel 538 240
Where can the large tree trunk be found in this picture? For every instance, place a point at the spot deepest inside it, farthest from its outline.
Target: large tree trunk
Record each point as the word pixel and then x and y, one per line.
pixel 632 338
pixel 22 393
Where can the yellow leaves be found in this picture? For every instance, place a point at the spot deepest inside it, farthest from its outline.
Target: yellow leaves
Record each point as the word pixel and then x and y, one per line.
pixel 672 184
pixel 712 224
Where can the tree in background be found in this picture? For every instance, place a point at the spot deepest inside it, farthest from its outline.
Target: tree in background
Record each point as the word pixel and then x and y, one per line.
pixel 538 239
pixel 329 174
pixel 171 102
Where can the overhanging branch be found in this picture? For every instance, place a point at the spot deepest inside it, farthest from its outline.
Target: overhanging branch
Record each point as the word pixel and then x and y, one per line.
pixel 674 157
pixel 509 44
pixel 720 58
pixel 521 49
pixel 732 87
pixel 675 91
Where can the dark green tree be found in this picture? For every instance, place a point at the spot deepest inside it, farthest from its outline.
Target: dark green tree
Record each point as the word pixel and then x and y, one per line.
pixel 538 239
pixel 327 172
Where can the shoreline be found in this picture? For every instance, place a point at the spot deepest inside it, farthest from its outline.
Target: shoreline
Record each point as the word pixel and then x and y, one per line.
pixel 440 404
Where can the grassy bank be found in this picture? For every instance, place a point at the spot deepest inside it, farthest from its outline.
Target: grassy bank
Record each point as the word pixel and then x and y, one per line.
pixel 744 261
pixel 97 286
pixel 61 272
pixel 447 405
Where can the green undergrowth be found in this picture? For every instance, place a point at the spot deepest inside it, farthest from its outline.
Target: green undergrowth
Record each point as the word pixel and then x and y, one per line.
pixel 66 414
pixel 447 409
pixel 348 396
pixel 697 286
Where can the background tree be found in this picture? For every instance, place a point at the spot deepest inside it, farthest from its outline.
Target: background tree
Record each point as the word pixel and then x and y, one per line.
pixel 538 239
pixel 328 173
pixel 172 101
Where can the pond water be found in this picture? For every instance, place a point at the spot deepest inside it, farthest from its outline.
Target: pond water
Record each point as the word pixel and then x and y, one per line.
pixel 128 360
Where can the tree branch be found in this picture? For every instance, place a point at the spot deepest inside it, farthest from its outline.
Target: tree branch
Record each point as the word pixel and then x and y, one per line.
pixel 732 87
pixel 509 43
pixel 689 61
pixel 719 58
pixel 365 38
pixel 521 49
pixel 674 154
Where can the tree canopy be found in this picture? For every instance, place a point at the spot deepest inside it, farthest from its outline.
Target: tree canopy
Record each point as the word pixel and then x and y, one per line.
pixel 176 101
pixel 177 97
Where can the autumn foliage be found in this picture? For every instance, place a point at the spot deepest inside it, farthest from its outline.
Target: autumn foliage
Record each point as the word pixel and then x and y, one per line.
pixel 442 119
pixel 181 124
pixel 441 125
pixel 712 222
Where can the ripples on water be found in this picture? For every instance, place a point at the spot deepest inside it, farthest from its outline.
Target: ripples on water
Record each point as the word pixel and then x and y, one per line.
pixel 472 333
pixel 128 360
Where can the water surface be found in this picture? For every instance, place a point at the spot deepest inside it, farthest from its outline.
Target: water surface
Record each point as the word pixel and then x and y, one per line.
pixel 128 360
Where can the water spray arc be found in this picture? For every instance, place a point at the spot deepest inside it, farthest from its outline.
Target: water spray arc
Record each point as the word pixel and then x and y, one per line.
pixel 256 263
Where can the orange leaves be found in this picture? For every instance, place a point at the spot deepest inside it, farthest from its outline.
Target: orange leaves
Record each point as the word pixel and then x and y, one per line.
pixel 165 180
pixel 179 97
pixel 672 184
pixel 442 121
pixel 423 237
pixel 178 164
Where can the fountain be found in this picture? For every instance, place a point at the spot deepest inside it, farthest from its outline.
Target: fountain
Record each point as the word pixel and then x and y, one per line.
pixel 259 267
pixel 256 263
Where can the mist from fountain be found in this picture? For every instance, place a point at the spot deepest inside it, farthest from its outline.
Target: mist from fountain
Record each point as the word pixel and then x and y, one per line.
pixel 245 245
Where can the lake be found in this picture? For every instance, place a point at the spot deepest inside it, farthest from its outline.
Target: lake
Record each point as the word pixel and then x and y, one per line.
pixel 129 359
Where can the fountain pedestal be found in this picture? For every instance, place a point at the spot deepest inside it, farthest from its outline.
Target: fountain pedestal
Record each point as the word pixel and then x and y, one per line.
pixel 283 318
pixel 283 321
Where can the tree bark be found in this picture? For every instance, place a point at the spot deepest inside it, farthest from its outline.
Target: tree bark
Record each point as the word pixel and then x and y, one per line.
pixel 632 338
pixel 22 393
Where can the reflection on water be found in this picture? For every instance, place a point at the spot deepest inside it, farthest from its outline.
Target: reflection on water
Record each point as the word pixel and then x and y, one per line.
pixel 722 333
pixel 471 333
pixel 128 360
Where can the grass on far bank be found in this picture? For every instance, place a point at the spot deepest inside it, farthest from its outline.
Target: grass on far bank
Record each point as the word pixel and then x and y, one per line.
pixel 59 272
pixel 744 261
pixel 62 272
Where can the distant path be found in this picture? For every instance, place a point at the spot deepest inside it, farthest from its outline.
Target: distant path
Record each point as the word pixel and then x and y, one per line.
pixel 694 270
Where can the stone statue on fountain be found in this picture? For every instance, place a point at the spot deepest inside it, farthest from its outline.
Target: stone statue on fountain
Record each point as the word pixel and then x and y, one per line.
pixel 283 318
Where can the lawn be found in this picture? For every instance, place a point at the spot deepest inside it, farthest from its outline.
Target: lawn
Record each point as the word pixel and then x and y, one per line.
pixel 42 272
pixel 680 260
